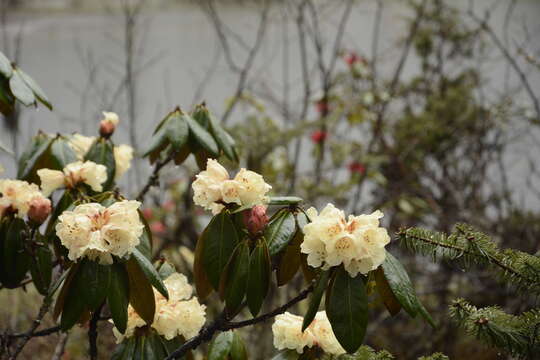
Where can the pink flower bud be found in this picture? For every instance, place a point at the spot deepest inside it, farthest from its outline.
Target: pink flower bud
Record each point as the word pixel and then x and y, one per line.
pixel 357 167
pixel 157 227
pixel 318 136
pixel 106 128
pixel 147 213
pixel 39 210
pixel 256 219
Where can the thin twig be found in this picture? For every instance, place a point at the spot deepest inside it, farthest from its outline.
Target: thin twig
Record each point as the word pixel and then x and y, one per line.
pixel 154 177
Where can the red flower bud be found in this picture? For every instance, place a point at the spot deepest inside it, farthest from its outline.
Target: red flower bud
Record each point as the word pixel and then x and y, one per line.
pixel 318 136
pixel 351 58
pixel 147 213
pixel 157 227
pixel 255 219
pixel 322 107
pixel 39 210
pixel 106 128
pixel 356 167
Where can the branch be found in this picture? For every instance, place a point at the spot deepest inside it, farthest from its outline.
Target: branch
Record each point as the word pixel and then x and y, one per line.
pixel 223 324
pixel 154 177
pixel 93 334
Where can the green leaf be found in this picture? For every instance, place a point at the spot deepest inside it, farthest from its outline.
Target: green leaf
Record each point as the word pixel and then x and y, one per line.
pixel 16 262
pixel 259 277
pixel 280 231
pixel 66 279
pixel 287 355
pixel 41 268
pixel 347 309
pixel 284 200
pixel 402 288
pixel 5 66
pixel 125 350
pixel 291 260
pixel 150 272
pixel 141 295
pixel 7 101
pixel 177 130
pixel 221 346
pixel 165 270
pixel 238 348
pixel 38 91
pixel 74 304
pixel 61 153
pixel 315 299
pixel 158 141
pixel 201 136
pixel 118 297
pixel 102 152
pixel 222 138
pixel 220 239
pixel 145 241
pixel 20 90
pixel 32 158
pixel 97 278
pixel 385 292
pixel 202 284
pixel 237 275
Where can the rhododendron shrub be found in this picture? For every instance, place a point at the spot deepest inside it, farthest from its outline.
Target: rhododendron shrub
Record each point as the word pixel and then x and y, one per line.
pixel 67 226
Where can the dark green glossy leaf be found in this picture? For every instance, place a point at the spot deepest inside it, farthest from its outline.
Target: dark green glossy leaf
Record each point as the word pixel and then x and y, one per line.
pixel 97 278
pixel 347 309
pixel 145 241
pixel 141 295
pixel 201 136
pixel 32 158
pixel 291 260
pixel 38 91
pixel 238 348
pixel 386 294
pixel 202 284
pixel 259 277
pixel 280 231
pixel 74 304
pixel 221 137
pixel 16 262
pixel 315 299
pixel 41 268
pixel 220 239
pixel 220 347
pixel 118 296
pixel 65 280
pixel 20 90
pixel 284 200
pixel 157 142
pixel 102 152
pixel 177 130
pixel 150 272
pixel 402 288
pixel 5 66
pixel 61 153
pixel 125 350
pixel 237 276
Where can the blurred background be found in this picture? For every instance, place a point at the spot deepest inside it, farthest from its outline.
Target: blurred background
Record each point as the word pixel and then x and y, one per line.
pixel 428 110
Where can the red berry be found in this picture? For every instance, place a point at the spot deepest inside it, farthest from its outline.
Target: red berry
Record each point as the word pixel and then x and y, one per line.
pixel 356 167
pixel 318 136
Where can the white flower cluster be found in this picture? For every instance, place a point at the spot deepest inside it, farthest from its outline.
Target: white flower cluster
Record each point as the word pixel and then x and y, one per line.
pixel 357 243
pixel 97 232
pixel 213 187
pixel 17 195
pixel 123 154
pixel 178 316
pixel 287 330
pixel 88 172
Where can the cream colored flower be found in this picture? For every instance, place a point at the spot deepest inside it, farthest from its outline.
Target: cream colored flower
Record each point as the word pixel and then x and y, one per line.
pixel 123 154
pixel 16 196
pixel 110 117
pixel 287 330
pixel 94 231
pixel 88 172
pixel 213 187
pixel 357 243
pixel 178 316
pixel 81 144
